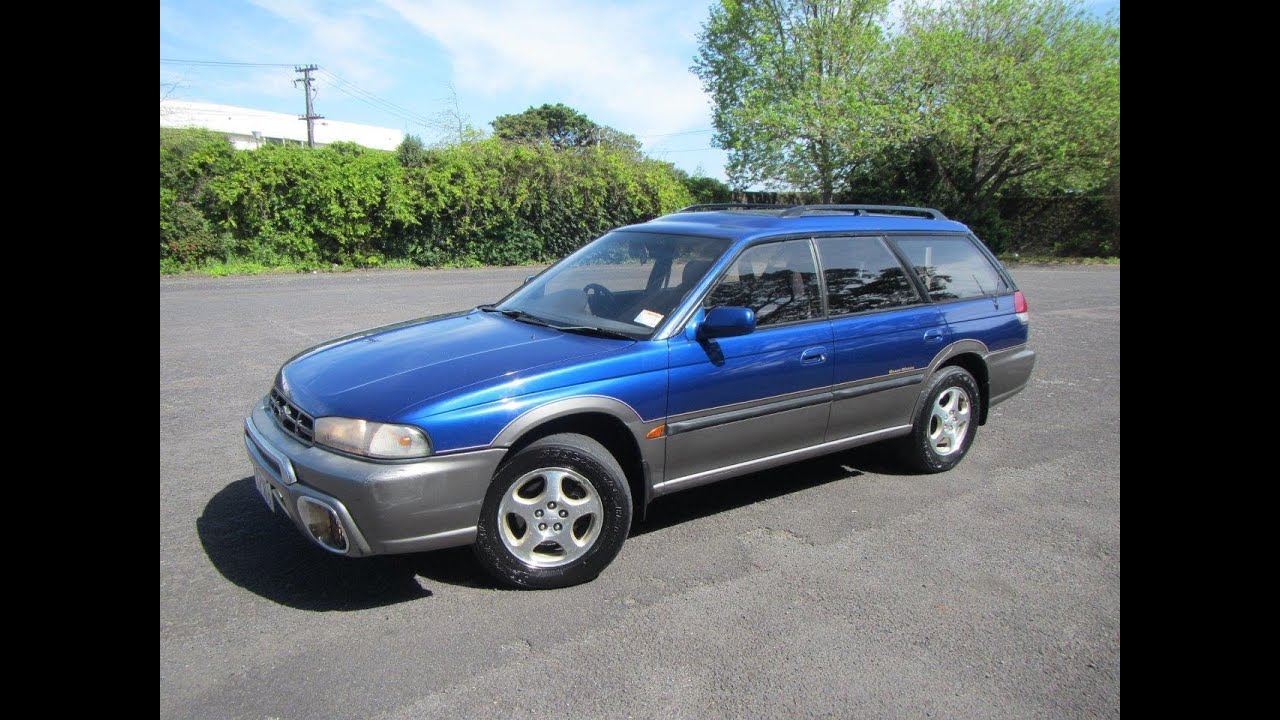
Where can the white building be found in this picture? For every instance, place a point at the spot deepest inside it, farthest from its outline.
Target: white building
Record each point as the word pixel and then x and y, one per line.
pixel 248 128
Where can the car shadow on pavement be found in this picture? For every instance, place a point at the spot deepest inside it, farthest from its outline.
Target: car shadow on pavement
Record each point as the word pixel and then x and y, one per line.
pixel 764 485
pixel 264 553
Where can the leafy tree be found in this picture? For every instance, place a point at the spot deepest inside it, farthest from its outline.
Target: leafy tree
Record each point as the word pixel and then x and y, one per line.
pixel 558 124
pixel 1010 91
pixel 563 127
pixel 188 159
pixel 411 152
pixel 704 189
pixel 188 156
pixel 618 140
pixel 797 86
pixel 482 201
pixel 333 204
pixel 954 105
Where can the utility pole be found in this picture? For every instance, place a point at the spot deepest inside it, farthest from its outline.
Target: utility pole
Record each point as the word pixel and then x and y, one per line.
pixel 310 117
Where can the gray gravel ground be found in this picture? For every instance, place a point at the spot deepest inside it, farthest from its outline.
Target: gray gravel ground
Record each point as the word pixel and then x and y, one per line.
pixel 833 588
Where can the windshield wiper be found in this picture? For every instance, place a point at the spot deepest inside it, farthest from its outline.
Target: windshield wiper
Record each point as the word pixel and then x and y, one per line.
pixel 995 301
pixel 520 315
pixel 593 330
pixel 523 316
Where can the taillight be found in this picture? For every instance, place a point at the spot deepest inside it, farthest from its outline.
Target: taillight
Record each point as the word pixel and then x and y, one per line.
pixel 1020 307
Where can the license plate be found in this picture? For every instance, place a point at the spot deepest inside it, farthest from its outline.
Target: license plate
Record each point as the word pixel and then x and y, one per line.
pixel 264 488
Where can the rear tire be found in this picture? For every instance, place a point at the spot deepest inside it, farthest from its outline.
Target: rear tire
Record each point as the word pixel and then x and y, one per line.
pixel 945 424
pixel 555 515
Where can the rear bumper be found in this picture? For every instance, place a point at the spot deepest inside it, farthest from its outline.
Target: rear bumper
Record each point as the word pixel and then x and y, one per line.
pixel 384 508
pixel 1009 372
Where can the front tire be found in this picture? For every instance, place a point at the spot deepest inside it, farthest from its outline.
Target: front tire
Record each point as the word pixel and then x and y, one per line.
pixel 946 422
pixel 555 515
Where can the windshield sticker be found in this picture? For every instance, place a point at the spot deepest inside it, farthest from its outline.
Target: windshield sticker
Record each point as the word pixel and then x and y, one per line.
pixel 648 318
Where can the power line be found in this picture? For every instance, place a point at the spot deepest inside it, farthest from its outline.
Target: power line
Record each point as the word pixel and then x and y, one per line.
pixel 343 81
pixel 383 109
pixel 688 132
pixel 346 86
pixel 354 91
pixel 167 61
pixel 342 85
pixel 216 113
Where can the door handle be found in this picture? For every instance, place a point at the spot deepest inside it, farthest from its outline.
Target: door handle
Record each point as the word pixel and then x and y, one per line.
pixel 933 336
pixel 813 356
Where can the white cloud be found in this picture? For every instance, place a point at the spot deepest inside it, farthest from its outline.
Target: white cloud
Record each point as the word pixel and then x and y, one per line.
pixel 615 63
pixel 337 36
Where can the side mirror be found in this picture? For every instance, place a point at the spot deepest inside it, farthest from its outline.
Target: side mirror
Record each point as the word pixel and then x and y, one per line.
pixel 527 278
pixel 727 321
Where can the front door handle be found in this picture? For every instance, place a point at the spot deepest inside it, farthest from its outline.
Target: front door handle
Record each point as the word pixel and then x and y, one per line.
pixel 933 336
pixel 813 356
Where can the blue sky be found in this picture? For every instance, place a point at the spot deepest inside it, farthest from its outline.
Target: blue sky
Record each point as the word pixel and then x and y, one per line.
pixel 392 62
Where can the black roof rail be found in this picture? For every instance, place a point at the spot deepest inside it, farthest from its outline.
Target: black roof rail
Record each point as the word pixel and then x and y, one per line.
pixel 730 206
pixel 799 210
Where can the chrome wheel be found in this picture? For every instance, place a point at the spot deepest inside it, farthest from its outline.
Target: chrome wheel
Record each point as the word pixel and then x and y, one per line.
pixel 949 421
pixel 550 517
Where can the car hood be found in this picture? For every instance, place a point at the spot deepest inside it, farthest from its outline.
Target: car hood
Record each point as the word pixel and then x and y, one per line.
pixel 378 373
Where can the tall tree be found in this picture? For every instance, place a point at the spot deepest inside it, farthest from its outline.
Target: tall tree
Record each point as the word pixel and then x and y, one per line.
pixel 558 124
pixel 1010 91
pixel 796 86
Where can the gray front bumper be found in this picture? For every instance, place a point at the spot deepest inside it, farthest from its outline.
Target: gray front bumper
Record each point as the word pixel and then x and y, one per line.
pixel 386 507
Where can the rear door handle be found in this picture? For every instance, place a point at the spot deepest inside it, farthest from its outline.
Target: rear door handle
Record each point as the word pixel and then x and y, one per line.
pixel 933 336
pixel 813 356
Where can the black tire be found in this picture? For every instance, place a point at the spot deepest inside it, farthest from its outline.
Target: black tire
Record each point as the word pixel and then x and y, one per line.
pixel 917 449
pixel 581 456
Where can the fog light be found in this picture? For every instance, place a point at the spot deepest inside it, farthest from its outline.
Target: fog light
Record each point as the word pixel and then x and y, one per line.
pixel 323 524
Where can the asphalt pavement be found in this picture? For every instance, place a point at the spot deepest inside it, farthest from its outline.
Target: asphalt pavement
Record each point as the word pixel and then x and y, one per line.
pixel 837 587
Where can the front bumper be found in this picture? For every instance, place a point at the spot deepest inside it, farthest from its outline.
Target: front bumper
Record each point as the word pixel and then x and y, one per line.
pixel 383 508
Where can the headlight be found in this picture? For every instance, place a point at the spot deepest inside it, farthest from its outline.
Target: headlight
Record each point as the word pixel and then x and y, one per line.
pixel 372 439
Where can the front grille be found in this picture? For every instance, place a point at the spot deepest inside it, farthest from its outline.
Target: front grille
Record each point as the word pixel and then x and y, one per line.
pixel 291 418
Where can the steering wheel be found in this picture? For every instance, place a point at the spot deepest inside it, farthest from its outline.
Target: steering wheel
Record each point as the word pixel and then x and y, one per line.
pixel 602 302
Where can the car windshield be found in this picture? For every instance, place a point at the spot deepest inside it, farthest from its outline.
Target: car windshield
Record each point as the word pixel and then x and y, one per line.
pixel 626 282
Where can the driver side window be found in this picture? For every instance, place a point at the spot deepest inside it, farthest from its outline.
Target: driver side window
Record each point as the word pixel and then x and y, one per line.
pixel 779 281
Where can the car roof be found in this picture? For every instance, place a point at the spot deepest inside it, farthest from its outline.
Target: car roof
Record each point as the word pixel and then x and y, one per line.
pixel 755 222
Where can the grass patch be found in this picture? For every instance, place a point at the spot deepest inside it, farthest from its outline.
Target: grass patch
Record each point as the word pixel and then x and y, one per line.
pixel 235 267
pixel 252 267
pixel 1024 259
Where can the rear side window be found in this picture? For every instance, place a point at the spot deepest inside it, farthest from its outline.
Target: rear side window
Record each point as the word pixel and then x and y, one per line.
pixel 862 274
pixel 779 281
pixel 951 268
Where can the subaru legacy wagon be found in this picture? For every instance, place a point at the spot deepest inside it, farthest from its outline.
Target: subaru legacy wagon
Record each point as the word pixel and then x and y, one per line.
pixel 706 344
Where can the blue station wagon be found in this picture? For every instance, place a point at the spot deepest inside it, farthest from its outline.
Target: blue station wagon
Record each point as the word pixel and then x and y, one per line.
pixel 703 345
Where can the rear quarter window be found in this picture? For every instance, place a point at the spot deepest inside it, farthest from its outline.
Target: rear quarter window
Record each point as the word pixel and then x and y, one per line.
pixel 951 267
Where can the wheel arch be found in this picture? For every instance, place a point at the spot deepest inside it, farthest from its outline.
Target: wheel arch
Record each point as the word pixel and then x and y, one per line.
pixel 969 355
pixel 608 421
pixel 977 367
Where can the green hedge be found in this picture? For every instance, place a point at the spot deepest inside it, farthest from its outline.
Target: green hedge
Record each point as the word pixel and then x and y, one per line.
pixel 486 202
